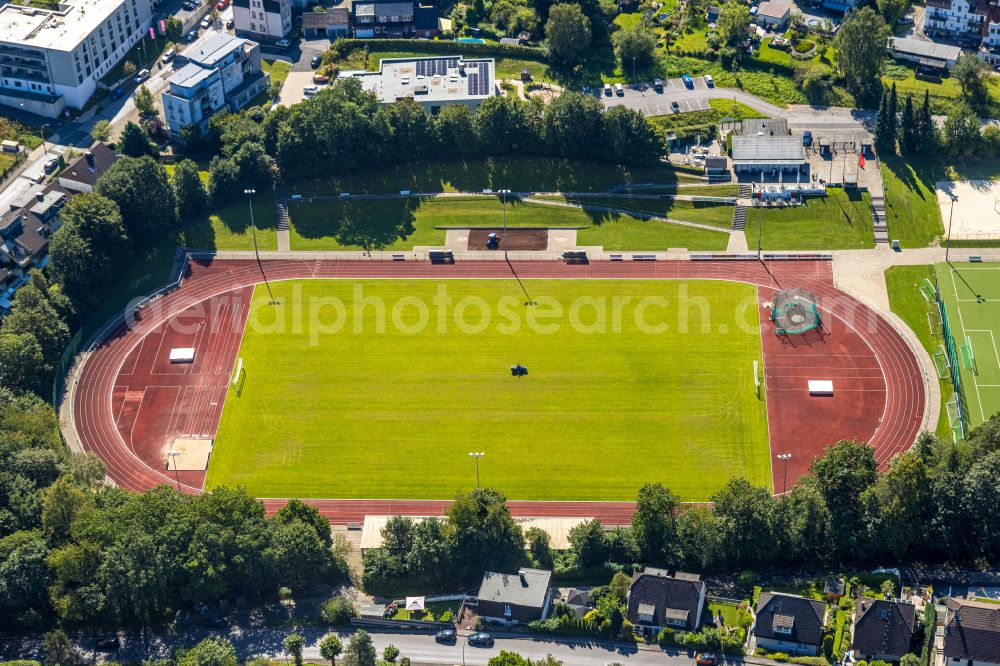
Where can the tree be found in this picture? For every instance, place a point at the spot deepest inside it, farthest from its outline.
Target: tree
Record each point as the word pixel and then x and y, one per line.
pixel 573 125
pixel 586 541
pixel 568 34
pixel 744 515
pixel 175 28
pixel 902 505
pixel 135 142
pixel 91 239
pixel 892 10
pixel 397 535
pixel 732 24
pixel 101 131
pixel 972 75
pixel 210 652
pixel 654 526
pixel 455 132
pixel 223 180
pixel 630 138
pixel 842 474
pixel 59 649
pixel 22 366
pixel 390 653
pixel 635 47
pixel 860 45
pixel 338 610
pixel 481 534
pixel 893 118
pixel 192 197
pixel 293 644
pixel 144 196
pixel 330 648
pixel 128 69
pixel 539 547
pixel 24 574
pixel 144 101
pixel 298 511
pixel 39 309
pixel 62 503
pixel 927 131
pixel 960 132
pixel 908 129
pixel 361 650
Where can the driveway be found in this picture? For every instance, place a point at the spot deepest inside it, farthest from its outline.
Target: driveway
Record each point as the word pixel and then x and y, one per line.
pixel 643 98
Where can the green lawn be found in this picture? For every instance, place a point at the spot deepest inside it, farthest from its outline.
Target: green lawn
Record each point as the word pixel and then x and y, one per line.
pixel 535 174
pixel 278 69
pixel 943 95
pixel 906 301
pixel 335 407
pixel 911 205
pixel 730 613
pixel 315 225
pixel 980 321
pixel 714 214
pixel 838 221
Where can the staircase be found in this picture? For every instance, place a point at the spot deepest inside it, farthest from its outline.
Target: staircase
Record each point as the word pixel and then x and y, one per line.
pixel 879 221
pixel 746 191
pixel 739 217
pixel 281 213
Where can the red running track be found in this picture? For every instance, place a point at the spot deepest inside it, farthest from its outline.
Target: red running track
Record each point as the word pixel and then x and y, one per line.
pixel 129 403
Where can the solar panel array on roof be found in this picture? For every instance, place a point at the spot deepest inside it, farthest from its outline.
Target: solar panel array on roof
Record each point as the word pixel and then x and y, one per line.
pixel 479 78
pixel 436 66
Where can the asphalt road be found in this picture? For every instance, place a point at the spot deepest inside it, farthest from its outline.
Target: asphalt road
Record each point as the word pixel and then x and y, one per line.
pixel 643 98
pixel 420 648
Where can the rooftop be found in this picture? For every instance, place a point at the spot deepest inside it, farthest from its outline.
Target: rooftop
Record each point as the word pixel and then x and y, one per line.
pixel 528 587
pixel 319 20
pixel 61 29
pixel 773 9
pixel 655 593
pixel 972 631
pixel 768 149
pixel 190 75
pixel 432 79
pixel 918 47
pixel 803 616
pixel 883 627
pixel 214 49
pixel 91 166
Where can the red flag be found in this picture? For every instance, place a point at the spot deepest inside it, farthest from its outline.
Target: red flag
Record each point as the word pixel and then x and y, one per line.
pixel 152 33
pixel 163 27
pixel 861 160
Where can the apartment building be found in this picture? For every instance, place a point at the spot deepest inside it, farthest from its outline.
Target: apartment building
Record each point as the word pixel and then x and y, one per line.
pixel 433 82
pixel 990 49
pixel 223 71
pixel 262 20
pixel 51 59
pixel 382 18
pixel 963 21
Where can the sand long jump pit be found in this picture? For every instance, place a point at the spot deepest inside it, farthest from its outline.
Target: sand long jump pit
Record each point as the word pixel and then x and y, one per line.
pixel 970 207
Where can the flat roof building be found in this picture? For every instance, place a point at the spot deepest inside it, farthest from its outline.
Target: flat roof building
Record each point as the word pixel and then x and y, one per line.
pixel 924 53
pixel 433 82
pixel 223 71
pixel 51 59
pixel 768 153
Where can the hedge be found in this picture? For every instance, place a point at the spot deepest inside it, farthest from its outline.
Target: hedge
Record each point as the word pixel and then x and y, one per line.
pixel 839 642
pixel 343 46
pixel 930 623
pixel 810 661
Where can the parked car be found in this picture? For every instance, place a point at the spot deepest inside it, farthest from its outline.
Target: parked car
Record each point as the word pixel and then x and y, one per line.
pixel 619 90
pixel 807 138
pixel 316 61
pixel 117 94
pixel 688 81
pixel 607 89
pixel 446 636
pixel 206 23
pixel 703 659
pixel 107 643
pixel 905 20
pixel 222 5
pixel 481 638
pixel 230 23
pixel 309 91
pixel 168 55
pixel 658 85
pixel 51 165
pixel 709 81
pixel 282 43
pixel 192 36
pixel 142 75
pixel 675 107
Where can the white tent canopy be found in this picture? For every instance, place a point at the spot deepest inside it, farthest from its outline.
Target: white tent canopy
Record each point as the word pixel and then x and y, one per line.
pixel 414 603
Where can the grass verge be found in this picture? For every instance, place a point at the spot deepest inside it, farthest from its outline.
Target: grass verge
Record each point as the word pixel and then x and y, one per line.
pixel 839 221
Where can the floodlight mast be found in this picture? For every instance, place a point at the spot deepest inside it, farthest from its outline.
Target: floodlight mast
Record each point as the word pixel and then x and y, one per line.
pixel 256 251
pixel 784 457
pixel 476 455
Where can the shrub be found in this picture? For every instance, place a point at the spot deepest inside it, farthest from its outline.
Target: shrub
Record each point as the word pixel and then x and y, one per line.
pixel 338 610
pixel 780 657
pixel 803 46
pixel 390 653
pixel 810 661
pixel 666 637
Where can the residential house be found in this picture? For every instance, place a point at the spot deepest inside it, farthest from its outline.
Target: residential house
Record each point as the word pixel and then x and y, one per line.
pixel 383 18
pixel 578 601
pixel 712 13
pixel 224 72
pixel 771 14
pixel 883 629
pixel 52 55
pixel 716 166
pixel 963 21
pixel 657 600
pixel 788 623
pixel 25 232
pixel 82 174
pixel 990 48
pixel 924 53
pixel 262 20
pixel 971 634
pixel 331 24
pixel 426 24
pixel 433 83
pixel 514 598
pixel 768 154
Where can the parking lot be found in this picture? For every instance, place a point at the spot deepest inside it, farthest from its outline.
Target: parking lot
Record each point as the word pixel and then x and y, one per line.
pixel 643 97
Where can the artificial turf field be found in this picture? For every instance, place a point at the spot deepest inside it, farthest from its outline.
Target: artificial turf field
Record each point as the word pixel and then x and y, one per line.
pixel 394 414
pixel 980 321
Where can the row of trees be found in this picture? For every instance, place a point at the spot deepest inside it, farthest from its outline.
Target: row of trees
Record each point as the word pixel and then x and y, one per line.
pixel 352 130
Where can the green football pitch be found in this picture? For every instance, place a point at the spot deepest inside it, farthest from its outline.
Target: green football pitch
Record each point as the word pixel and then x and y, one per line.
pixel 971 294
pixel 382 388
